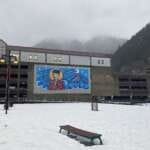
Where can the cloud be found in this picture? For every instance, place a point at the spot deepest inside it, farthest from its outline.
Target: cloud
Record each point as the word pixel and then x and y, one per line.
pixel 26 22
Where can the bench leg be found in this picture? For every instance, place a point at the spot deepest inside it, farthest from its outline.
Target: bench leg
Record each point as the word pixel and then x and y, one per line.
pixel 92 141
pixel 60 130
pixel 101 142
pixel 68 132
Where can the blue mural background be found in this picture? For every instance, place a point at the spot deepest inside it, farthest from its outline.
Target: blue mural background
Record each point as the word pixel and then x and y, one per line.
pixel 73 77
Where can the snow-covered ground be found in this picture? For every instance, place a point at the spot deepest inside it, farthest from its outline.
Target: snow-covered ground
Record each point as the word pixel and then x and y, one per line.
pixel 36 126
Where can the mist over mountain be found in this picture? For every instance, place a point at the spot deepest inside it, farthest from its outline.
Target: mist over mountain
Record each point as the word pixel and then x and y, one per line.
pixel 102 44
pixel 134 55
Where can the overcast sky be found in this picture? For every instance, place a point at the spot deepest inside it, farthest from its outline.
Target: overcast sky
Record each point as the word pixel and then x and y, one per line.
pixel 26 22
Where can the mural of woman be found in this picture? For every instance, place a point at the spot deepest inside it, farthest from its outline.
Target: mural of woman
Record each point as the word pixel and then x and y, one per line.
pixel 56 82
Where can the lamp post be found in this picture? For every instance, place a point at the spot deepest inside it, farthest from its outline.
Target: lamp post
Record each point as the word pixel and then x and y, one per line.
pixel 9 59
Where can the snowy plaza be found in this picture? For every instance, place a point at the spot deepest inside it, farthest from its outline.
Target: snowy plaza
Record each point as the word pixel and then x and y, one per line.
pixel 36 126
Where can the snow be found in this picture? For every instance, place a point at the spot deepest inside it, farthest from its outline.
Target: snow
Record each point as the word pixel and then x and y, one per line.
pixel 36 126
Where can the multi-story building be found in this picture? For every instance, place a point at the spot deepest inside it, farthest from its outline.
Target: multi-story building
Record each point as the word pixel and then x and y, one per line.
pixel 37 74
pixel 45 75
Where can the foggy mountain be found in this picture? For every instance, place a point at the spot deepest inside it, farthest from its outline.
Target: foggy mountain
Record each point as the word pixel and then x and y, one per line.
pixel 102 44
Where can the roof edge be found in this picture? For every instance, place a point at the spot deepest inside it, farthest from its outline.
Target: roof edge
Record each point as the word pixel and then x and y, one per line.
pixel 58 51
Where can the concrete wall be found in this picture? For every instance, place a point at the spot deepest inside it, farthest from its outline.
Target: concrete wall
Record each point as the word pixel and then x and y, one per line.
pixel 41 90
pixel 104 83
pixel 102 62
pixel 52 97
pixel 57 59
pixel 80 60
pixel 64 59
pixel 33 57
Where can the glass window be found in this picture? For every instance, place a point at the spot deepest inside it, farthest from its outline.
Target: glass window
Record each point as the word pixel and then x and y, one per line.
pixel 99 61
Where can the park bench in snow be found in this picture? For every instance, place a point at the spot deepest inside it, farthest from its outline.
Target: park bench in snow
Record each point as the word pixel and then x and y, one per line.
pixel 85 137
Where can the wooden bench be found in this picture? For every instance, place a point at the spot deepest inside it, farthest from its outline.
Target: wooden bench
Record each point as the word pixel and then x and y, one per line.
pixel 75 132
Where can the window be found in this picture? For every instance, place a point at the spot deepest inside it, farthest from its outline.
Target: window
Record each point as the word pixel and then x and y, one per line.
pixel 30 57
pixel 14 57
pixel 33 57
pixel 100 62
pixel 2 60
pixel 58 59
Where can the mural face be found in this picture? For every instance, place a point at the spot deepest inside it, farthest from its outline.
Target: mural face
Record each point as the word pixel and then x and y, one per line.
pixel 61 79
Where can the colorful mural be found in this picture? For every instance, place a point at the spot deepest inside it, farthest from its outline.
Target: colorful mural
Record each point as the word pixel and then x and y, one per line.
pixel 62 79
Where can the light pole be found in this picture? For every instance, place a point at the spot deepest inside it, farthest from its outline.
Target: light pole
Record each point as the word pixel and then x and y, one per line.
pixel 6 105
pixel 9 60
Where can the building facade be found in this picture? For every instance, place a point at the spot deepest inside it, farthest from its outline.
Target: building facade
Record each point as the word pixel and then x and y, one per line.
pixel 37 74
pixel 47 75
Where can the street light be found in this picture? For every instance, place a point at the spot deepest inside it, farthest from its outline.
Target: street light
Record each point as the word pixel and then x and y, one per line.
pixel 8 59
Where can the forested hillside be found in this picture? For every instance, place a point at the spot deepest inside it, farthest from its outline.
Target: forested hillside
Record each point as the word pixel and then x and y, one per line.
pixel 135 53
